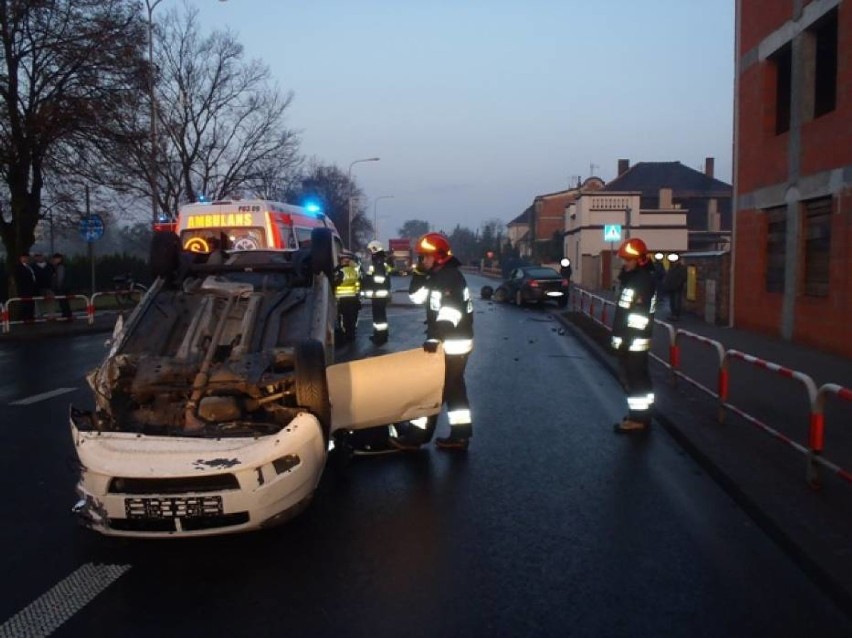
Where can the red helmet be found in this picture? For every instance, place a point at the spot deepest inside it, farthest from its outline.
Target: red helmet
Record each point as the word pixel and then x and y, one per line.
pixel 434 244
pixel 634 248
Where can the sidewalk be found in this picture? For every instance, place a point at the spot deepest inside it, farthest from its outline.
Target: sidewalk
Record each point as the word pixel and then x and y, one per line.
pixel 763 475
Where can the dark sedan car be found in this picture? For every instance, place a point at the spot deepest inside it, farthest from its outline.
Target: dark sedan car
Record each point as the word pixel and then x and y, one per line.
pixel 533 284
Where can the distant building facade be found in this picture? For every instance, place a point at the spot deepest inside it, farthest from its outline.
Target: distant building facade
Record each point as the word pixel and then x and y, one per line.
pixel 705 199
pixel 537 232
pixel 672 207
pixel 517 233
pixel 793 171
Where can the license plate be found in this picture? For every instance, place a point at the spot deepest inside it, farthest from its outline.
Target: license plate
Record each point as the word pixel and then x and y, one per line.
pixel 173 507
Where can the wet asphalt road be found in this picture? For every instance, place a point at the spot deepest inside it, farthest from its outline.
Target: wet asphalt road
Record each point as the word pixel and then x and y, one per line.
pixel 550 525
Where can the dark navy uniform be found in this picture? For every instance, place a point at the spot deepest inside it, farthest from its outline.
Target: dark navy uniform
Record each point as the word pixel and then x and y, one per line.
pixel 449 321
pixel 377 288
pixel 631 338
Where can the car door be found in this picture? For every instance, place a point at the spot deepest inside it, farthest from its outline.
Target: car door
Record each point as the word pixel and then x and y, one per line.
pixel 511 283
pixel 386 389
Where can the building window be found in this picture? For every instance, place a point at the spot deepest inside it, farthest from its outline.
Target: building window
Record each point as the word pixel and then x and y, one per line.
pixel 817 246
pixel 782 62
pixel 825 64
pixel 776 245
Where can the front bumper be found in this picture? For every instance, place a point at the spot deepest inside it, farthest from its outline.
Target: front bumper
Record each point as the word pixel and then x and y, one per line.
pixel 161 487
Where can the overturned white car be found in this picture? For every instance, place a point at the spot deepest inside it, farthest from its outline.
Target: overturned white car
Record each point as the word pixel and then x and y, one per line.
pixel 215 409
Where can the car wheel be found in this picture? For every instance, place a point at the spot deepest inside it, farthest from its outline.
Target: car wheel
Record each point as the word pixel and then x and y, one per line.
pixel 501 294
pixel 322 252
pixel 519 298
pixel 311 382
pixel 164 257
pixel 563 301
pixel 486 292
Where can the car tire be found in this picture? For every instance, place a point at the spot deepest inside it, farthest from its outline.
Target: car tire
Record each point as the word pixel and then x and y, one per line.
pixel 519 298
pixel 486 292
pixel 501 294
pixel 164 258
pixel 311 382
pixel 322 252
pixel 563 301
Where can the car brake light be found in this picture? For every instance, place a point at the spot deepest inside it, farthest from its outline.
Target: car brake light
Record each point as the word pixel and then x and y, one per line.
pixel 565 283
pixel 533 283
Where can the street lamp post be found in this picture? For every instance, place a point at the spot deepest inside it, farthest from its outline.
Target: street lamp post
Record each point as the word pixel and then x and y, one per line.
pixel 376 214
pixel 152 169
pixel 349 199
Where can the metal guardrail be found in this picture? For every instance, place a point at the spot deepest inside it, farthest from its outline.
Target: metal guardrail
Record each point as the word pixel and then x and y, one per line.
pixel 6 314
pixel 6 321
pixel 816 396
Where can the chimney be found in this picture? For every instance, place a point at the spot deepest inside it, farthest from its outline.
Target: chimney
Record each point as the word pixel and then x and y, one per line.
pixel 623 166
pixel 665 199
pixel 713 216
pixel 709 163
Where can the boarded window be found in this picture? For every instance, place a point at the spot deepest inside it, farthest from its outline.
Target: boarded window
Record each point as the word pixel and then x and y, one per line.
pixel 817 246
pixel 782 61
pixel 825 64
pixel 776 244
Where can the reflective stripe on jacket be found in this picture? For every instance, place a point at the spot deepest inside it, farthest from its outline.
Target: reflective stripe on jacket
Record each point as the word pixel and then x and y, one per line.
pixel 350 284
pixel 377 281
pixel 633 323
pixel 449 308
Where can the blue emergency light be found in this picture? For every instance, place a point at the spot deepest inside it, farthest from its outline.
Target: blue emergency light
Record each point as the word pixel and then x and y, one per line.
pixel 313 208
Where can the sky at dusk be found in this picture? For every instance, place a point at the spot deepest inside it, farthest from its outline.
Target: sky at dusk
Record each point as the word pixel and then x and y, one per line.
pixel 477 106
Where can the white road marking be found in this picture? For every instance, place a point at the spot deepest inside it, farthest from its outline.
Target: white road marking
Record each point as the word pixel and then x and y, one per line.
pixel 43 396
pixel 46 614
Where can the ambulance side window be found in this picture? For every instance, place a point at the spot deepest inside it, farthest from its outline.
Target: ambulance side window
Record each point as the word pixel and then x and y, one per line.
pixel 304 235
pixel 288 240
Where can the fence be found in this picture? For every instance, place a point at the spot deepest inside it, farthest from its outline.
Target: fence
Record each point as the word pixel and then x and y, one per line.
pixel 120 301
pixel 586 303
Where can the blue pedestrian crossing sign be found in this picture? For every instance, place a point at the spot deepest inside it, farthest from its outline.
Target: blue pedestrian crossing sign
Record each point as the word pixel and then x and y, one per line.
pixel 91 228
pixel 612 232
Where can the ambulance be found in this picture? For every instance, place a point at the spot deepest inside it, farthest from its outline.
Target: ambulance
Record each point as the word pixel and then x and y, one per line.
pixel 249 225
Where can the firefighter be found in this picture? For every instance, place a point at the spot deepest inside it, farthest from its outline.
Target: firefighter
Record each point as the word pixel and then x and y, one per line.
pixel 377 288
pixel 347 290
pixel 631 333
pixel 438 282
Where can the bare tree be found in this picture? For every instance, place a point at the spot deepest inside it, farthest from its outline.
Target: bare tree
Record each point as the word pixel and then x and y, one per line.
pixel 414 228
pixel 330 187
pixel 220 123
pixel 67 65
pixel 222 118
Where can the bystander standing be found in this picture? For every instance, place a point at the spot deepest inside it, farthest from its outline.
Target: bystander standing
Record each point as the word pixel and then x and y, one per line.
pixel 673 286
pixel 58 284
pixel 25 283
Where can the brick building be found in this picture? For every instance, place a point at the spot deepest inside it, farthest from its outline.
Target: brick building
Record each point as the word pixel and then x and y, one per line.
pixel 793 171
pixel 538 231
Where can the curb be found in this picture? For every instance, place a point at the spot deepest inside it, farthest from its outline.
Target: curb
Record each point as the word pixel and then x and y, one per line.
pixel 797 552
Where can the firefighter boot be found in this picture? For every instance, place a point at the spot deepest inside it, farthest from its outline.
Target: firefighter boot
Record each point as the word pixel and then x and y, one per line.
pixel 379 338
pixel 628 426
pixel 459 438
